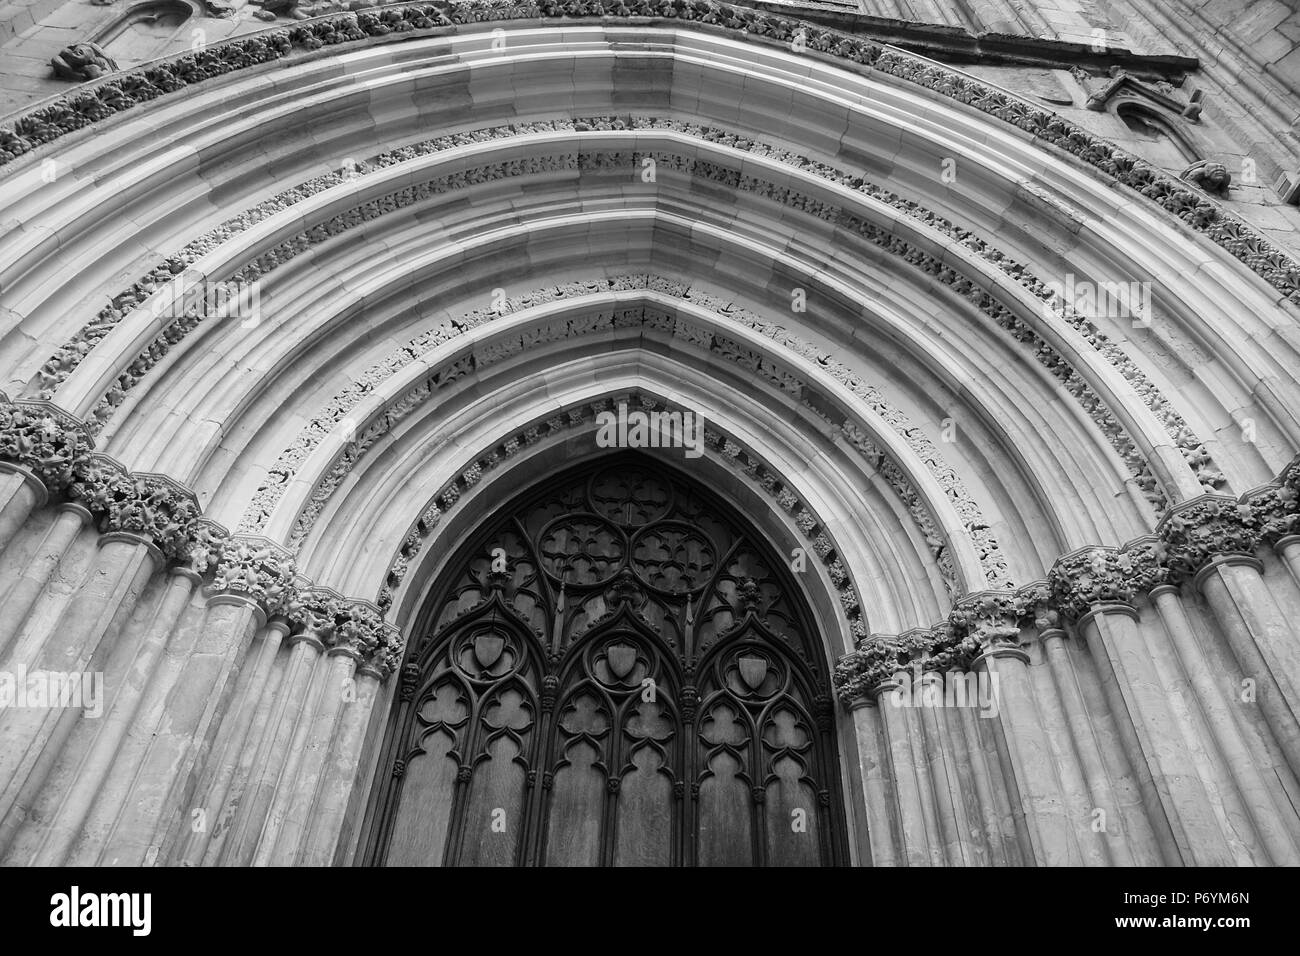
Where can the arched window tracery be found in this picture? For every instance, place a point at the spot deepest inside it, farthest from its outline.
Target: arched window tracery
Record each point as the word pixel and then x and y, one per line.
pixel 619 674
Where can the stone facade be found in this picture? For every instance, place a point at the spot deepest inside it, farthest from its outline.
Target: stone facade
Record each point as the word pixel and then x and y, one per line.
pixel 991 315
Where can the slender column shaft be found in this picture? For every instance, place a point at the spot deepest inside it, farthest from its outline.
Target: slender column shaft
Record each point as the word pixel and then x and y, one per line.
pixel 1117 843
pixel 321 725
pixel 23 592
pixel 21 493
pixel 1288 549
pixel 181 740
pixel 917 832
pixel 78 643
pixel 1278 823
pixel 340 773
pixel 92 770
pixel 873 759
pixel 282 799
pixel 936 751
pixel 273 751
pixel 237 729
pixel 1265 643
pixel 1052 835
pixel 1141 697
pixel 987 790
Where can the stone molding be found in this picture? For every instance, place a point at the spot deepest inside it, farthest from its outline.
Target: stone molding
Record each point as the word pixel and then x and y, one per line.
pixel 941 268
pixel 367 433
pixel 155 507
pixel 97 100
pixel 163 515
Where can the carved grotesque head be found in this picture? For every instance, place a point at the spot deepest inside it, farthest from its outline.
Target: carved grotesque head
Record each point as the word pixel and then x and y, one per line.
pixel 82 61
pixel 1216 177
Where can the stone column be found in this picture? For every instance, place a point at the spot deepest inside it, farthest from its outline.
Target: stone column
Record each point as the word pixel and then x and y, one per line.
pixel 339 772
pixel 1277 822
pixel 23 593
pixel 354 630
pixel 92 771
pixel 1211 541
pixel 166 782
pixel 871 673
pixel 1101 793
pixel 873 760
pixel 921 842
pixel 21 493
pixel 273 752
pixel 1288 549
pixel 214 796
pixel 1137 692
pixel 992 620
pixel 78 642
pixel 260 571
pixel 337 686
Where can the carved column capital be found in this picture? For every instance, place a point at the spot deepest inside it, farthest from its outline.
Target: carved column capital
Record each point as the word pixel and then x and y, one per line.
pixel 863 673
pixel 1195 531
pixel 250 565
pixel 870 669
pixel 1037 608
pixel 989 618
pixel 45 440
pixel 387 655
pixel 154 507
pixel 1277 507
pixel 1091 576
pixel 347 626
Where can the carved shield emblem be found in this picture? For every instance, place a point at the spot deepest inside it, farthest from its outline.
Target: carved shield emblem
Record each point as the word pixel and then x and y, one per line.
pixel 753 671
pixel 622 658
pixel 488 648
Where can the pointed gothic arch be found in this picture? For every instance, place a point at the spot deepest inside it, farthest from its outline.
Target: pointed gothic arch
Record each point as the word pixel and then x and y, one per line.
pixel 667 694
pixel 271 495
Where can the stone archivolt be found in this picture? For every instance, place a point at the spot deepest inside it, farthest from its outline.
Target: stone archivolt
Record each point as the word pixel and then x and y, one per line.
pixel 1190 537
pixel 316 431
pixel 66 359
pixel 100 99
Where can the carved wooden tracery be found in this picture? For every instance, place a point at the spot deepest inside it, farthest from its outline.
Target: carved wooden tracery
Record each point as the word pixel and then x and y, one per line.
pixel 616 674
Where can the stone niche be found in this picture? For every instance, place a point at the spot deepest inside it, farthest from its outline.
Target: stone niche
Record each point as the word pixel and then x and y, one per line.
pixel 144 30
